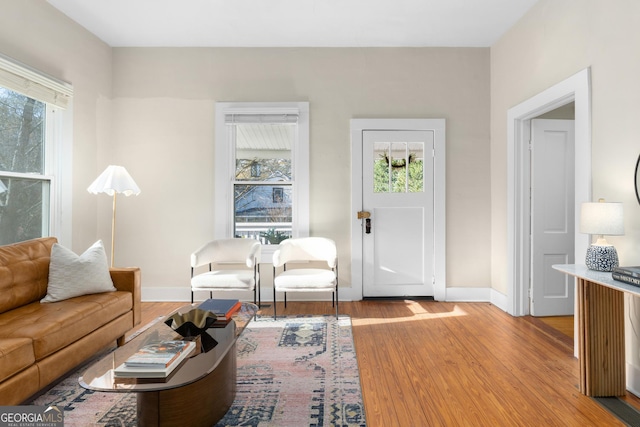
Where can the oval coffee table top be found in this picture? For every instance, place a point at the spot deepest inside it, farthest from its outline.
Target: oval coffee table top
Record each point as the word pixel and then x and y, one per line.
pixel 99 376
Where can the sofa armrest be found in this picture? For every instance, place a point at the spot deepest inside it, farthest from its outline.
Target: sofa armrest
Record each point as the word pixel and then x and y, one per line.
pixel 128 279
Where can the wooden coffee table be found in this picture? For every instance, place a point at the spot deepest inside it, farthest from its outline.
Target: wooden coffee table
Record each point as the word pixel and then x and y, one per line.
pixel 197 393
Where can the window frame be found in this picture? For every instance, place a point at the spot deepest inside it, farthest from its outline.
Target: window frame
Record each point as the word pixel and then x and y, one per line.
pixel 58 99
pixel 224 166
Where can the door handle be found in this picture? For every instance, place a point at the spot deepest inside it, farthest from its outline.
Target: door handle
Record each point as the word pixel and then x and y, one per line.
pixel 367 220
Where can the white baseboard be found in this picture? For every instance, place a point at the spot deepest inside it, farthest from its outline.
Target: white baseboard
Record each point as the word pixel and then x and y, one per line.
pixel 161 294
pixel 177 294
pixel 633 379
pixel 172 294
pixel 468 294
pixel 499 300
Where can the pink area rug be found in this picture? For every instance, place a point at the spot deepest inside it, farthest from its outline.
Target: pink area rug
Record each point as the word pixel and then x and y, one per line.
pixel 293 371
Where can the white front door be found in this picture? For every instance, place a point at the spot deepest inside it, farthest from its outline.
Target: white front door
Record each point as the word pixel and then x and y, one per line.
pixel 552 216
pixel 397 193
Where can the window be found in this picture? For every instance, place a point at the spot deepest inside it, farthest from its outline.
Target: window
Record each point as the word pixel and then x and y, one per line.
pixel 29 145
pixel 398 167
pixel 262 176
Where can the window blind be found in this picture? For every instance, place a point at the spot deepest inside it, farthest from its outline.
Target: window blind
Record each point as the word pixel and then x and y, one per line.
pixel 34 84
pixel 285 118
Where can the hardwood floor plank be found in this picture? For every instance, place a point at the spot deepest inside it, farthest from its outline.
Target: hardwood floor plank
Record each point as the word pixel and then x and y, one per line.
pixel 425 363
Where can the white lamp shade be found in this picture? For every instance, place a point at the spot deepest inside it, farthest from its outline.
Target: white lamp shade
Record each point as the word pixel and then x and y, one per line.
pixel 603 218
pixel 114 179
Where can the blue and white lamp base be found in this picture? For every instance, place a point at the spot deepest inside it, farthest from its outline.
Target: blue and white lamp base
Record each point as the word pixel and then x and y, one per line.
pixel 602 257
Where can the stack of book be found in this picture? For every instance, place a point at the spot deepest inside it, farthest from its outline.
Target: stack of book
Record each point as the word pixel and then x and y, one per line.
pixel 630 275
pixel 155 360
pixel 224 309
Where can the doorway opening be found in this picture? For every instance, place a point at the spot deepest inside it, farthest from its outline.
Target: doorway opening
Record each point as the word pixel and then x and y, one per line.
pixel 574 89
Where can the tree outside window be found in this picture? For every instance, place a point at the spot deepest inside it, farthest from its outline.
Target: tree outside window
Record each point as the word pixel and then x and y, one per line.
pixel 24 188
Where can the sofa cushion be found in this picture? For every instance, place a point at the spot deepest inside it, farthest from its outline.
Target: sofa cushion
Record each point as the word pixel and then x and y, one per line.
pixel 72 275
pixel 24 272
pixel 16 354
pixel 57 325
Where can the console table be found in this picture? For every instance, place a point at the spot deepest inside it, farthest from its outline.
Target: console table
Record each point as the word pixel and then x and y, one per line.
pixel 601 353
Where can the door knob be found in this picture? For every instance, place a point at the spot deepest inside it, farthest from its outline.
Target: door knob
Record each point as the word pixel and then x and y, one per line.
pixel 364 214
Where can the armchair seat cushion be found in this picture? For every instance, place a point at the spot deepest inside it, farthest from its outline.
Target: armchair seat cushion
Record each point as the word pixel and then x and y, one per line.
pixel 305 278
pixel 232 279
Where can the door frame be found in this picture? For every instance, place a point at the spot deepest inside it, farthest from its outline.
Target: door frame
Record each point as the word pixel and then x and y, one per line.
pixel 576 88
pixel 358 126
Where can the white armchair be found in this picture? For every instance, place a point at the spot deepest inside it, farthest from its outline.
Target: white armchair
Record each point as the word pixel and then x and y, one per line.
pixel 234 265
pixel 295 268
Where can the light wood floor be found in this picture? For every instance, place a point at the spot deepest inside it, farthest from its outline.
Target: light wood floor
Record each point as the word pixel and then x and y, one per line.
pixel 428 363
pixel 563 324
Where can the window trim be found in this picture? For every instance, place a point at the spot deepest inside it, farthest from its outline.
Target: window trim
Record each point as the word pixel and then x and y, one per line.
pixel 224 166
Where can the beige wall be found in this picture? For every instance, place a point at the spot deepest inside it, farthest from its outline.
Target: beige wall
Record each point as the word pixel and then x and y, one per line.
pixel 152 111
pixel 37 35
pixel 555 40
pixel 164 101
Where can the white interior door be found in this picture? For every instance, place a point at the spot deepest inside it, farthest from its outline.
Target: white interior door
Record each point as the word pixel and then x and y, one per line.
pixel 397 193
pixel 552 216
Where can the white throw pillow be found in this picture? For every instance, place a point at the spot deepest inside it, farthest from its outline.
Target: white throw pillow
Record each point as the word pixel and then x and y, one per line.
pixel 71 275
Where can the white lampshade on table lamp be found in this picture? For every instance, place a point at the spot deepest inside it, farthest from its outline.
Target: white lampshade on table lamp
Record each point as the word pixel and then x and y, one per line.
pixel 114 180
pixel 604 219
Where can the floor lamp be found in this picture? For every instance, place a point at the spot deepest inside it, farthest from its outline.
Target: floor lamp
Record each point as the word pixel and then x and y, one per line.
pixel 114 180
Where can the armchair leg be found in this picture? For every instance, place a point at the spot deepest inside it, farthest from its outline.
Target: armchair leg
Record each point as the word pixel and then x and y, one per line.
pixel 192 296
pixel 256 281
pixel 274 293
pixel 285 300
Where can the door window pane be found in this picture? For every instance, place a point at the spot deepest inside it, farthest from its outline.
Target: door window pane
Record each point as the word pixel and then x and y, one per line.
pixel 398 167
pixel 381 182
pixel 416 167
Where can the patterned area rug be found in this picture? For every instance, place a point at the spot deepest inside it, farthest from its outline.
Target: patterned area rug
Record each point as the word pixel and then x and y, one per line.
pixel 294 371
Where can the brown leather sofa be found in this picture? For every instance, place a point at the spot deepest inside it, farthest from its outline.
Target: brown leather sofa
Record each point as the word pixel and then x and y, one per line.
pixel 40 342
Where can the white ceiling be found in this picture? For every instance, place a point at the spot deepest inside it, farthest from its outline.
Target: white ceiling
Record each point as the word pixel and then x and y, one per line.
pixel 273 23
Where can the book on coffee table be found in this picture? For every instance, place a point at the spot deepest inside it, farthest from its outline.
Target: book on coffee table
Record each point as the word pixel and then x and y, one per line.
pixel 222 308
pixel 155 360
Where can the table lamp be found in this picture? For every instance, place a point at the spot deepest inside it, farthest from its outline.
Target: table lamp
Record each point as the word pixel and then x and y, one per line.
pixel 114 180
pixel 602 218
